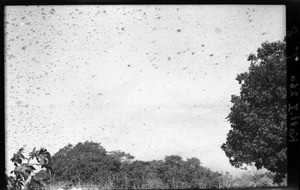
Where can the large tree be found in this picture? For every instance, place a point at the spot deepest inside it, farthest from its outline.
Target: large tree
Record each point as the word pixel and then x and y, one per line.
pixel 258 115
pixel 85 162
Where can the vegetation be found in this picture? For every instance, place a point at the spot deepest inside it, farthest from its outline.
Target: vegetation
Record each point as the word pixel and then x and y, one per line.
pixel 89 163
pixel 258 115
pixel 24 174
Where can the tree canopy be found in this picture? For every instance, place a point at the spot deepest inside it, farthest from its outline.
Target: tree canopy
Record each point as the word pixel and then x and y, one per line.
pixel 84 162
pixel 89 162
pixel 258 115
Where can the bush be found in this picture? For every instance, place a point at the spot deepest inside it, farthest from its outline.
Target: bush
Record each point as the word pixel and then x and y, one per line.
pixel 84 163
pixel 24 174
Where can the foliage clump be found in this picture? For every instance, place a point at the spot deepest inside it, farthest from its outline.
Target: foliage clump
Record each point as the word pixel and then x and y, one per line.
pixel 89 162
pixel 25 174
pixel 258 115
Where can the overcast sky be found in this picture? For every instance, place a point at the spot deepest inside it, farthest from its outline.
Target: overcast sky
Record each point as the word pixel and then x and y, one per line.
pixel 148 80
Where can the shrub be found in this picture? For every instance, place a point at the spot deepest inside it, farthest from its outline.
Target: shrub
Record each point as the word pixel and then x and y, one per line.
pixel 25 175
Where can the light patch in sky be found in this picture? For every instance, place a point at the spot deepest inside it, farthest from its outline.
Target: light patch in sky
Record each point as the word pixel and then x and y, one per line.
pixel 145 79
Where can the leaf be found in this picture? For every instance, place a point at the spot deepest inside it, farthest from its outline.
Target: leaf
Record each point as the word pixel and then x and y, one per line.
pixel 19 153
pixel 44 158
pixel 21 149
pixel 17 158
pixel 41 178
pixel 41 182
pixel 23 171
pixel 32 154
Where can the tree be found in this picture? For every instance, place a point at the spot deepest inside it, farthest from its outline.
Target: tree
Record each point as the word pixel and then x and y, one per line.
pixel 173 174
pixel 121 156
pixel 121 179
pixel 85 162
pixel 138 173
pixel 253 179
pixel 225 180
pixel 258 115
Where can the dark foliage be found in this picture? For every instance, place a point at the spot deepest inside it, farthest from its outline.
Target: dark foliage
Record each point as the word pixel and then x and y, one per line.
pixel 25 175
pixel 258 114
pixel 89 163
pixel 85 162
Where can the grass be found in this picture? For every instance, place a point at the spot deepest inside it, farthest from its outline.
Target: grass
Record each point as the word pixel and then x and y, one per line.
pixel 61 185
pixel 83 187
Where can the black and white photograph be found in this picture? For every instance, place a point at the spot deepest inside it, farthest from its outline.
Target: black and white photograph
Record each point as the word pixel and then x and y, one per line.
pixel 145 96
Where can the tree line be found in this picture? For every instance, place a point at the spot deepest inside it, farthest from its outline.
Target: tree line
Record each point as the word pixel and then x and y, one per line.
pixel 90 163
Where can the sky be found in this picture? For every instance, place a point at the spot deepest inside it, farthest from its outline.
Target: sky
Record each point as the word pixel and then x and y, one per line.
pixel 151 80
